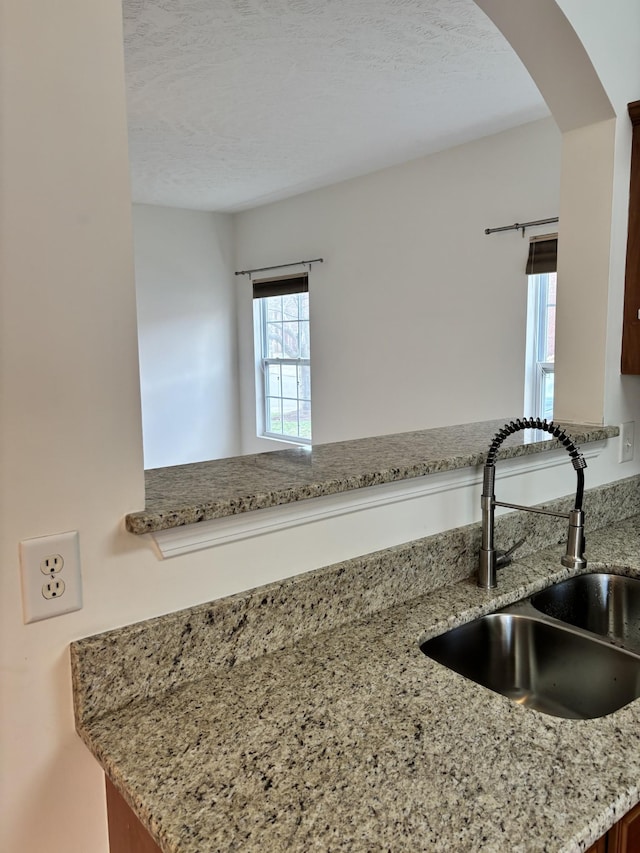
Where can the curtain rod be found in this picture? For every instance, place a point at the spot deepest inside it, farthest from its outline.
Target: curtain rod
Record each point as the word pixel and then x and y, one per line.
pixel 280 266
pixel 518 225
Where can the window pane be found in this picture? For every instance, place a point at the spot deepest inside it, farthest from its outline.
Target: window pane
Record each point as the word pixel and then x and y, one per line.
pixel 290 340
pixel 273 344
pixel 290 381
pixel 305 419
pixel 547 395
pixel 290 417
pixel 274 415
pixel 304 391
pixel 550 338
pixel 273 381
pixel 274 307
pixel 304 339
pixel 290 306
pixel 546 284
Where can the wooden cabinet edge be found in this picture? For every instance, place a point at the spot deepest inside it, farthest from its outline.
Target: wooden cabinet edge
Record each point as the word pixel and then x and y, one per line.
pixel 126 832
pixel 630 358
pixel 624 837
pixel 599 847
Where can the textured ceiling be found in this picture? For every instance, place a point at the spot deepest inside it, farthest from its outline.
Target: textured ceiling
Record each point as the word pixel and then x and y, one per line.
pixel 233 103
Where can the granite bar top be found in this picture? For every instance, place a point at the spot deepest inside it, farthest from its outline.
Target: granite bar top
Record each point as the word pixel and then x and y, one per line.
pixel 187 494
pixel 350 739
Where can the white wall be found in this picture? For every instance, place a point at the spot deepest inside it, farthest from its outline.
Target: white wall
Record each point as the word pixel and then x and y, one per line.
pixel 417 316
pixel 619 71
pixel 185 291
pixel 585 58
pixel 71 425
pixel 583 272
pixel 71 437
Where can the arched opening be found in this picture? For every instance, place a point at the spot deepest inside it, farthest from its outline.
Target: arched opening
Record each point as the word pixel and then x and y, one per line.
pixel 555 57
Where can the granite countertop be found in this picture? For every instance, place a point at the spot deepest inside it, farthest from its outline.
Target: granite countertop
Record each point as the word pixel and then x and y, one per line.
pixel 352 740
pixel 186 494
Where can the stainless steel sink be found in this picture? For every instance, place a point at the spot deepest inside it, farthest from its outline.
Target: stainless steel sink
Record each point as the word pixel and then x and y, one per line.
pixel 554 669
pixel 608 605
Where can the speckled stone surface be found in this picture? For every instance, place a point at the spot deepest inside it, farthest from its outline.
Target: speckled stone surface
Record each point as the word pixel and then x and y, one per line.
pixel 186 494
pixel 185 645
pixel 345 737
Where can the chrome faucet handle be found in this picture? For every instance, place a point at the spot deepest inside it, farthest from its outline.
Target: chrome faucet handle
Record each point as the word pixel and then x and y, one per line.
pixel 503 558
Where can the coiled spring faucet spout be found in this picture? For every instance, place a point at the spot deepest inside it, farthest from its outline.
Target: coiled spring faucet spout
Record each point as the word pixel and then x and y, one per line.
pixel 490 558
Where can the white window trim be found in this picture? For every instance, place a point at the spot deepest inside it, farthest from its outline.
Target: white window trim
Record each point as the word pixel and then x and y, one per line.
pixel 260 384
pixel 535 370
pixel 264 364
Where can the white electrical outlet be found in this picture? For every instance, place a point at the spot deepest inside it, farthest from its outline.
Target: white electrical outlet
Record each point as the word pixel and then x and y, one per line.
pixel 626 441
pixel 52 564
pixel 53 588
pixel 51 580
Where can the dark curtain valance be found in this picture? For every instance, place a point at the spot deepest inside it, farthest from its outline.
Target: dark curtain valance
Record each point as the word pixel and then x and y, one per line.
pixel 543 255
pixel 281 286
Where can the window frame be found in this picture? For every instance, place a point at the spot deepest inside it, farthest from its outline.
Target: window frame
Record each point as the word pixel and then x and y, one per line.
pixel 537 368
pixel 263 361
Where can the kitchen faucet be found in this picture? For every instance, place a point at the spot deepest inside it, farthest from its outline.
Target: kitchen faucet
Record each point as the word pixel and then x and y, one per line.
pixel 492 559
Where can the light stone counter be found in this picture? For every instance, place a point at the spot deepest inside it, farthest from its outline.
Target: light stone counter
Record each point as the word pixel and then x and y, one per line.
pixel 293 717
pixel 186 494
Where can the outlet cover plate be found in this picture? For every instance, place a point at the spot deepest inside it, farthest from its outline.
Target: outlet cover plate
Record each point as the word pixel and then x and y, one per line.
pixel 38 602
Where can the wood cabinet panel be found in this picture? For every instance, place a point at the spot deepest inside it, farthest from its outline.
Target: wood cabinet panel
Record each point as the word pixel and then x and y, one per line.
pixel 599 847
pixel 630 362
pixel 624 837
pixel 126 833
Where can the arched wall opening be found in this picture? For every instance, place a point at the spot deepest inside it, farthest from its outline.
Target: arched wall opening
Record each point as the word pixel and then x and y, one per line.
pixel 558 62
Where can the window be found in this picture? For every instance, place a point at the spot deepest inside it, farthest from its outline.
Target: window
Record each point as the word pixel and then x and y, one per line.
pixel 542 322
pixel 541 327
pixel 281 317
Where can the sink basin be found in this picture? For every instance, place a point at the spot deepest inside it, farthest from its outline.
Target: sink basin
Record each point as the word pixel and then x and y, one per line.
pixel 540 665
pixel 608 605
